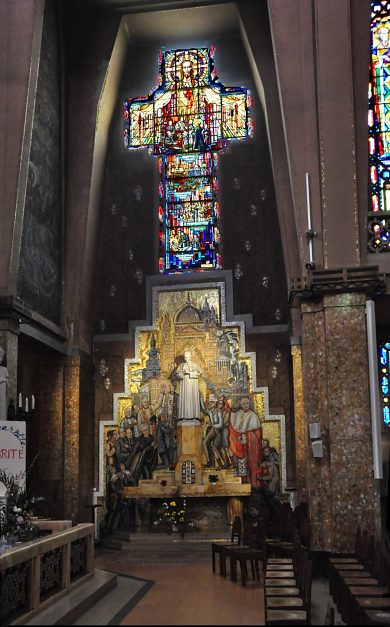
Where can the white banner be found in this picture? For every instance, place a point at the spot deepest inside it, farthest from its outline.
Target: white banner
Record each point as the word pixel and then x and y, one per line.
pixel 13 447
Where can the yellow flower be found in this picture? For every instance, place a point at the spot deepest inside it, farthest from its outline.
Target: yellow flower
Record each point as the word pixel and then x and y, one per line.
pixel 172 504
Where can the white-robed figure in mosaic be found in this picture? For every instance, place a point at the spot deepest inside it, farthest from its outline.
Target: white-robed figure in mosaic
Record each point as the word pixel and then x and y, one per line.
pixel 189 398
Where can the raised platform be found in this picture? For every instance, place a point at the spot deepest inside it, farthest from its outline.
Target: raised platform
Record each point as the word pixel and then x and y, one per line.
pixel 68 609
pixel 162 548
pixel 228 485
pixel 122 540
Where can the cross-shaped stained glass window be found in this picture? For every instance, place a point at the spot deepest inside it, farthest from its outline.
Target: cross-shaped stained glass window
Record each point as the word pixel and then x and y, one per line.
pixel 185 122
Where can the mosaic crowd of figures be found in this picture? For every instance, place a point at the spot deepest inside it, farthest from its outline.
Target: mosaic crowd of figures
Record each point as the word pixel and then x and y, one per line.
pixel 190 368
pixel 185 122
pixel 379 128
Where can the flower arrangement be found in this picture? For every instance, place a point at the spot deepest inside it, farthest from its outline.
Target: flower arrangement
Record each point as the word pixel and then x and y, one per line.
pixel 17 508
pixel 172 513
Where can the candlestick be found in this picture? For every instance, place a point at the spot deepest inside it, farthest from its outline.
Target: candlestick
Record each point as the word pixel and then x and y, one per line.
pixel 20 400
pixel 310 233
pixel 33 402
pixel 26 405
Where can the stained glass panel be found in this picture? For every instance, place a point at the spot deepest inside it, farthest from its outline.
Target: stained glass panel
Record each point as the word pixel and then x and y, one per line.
pixel 186 120
pixel 384 376
pixel 379 128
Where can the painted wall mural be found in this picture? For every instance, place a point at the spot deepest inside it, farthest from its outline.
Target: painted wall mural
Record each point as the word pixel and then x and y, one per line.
pixel 191 408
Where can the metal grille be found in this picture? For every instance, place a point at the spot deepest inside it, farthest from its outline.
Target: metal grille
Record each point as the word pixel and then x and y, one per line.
pixel 78 558
pixel 14 599
pixel 51 564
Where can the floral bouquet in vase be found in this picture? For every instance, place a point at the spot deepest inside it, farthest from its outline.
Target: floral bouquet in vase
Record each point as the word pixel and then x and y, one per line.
pixel 172 516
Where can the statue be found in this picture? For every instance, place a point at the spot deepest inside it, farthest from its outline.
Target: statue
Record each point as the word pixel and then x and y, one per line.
pixel 189 398
pixel 3 386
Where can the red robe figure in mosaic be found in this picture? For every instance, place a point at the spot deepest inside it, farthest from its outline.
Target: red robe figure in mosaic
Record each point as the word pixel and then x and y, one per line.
pixel 245 435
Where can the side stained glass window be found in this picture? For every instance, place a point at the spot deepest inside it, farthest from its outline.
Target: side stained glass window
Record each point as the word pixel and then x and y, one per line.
pixel 379 128
pixel 186 121
pixel 384 375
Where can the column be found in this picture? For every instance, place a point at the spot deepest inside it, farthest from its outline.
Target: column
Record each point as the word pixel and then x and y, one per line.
pixel 9 332
pixel 71 438
pixel 300 425
pixel 341 490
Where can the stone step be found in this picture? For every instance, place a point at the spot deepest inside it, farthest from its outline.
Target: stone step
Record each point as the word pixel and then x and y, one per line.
pixel 67 609
pixel 122 540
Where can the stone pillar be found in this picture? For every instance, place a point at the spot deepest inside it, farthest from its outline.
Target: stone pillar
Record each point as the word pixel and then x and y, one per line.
pixel 9 332
pixel 46 436
pixel 300 425
pixel 71 438
pixel 341 490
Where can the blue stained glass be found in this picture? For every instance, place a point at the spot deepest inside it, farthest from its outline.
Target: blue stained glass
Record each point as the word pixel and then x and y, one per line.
pixel 379 126
pixel 185 122
pixel 384 372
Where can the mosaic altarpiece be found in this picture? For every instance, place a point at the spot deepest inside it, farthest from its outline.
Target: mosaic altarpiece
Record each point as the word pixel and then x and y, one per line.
pixel 149 449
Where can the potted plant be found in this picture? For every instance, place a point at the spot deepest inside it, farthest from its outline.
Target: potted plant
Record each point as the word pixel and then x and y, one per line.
pixel 213 479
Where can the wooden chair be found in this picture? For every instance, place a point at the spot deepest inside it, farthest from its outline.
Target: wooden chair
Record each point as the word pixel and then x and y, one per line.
pixel 362 599
pixel 377 617
pixel 252 554
pixel 355 593
pixel 296 612
pixel 350 564
pixel 304 533
pixel 251 528
pixel 290 602
pixel 284 535
pixel 283 587
pixel 218 548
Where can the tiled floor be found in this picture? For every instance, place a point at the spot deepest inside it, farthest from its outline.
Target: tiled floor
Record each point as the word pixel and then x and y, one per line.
pixel 188 594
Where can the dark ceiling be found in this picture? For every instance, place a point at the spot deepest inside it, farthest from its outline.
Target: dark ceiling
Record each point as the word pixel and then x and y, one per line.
pixel 135 6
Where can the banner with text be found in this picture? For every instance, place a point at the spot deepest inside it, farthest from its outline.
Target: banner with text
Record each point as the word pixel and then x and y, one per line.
pixel 13 448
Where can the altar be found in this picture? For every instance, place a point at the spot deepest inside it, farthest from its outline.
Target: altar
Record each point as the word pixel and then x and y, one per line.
pixel 191 421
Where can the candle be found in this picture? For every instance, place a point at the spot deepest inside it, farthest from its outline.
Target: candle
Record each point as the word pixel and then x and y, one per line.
pixel 26 405
pixel 33 402
pixel 20 400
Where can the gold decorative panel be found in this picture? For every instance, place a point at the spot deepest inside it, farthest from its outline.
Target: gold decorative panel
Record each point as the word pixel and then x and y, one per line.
pixel 190 401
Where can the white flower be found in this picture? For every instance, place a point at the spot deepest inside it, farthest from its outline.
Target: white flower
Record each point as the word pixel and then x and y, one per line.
pixel 16 509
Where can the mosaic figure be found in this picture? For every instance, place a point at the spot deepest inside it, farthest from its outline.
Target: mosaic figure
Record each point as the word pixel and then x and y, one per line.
pixel 189 401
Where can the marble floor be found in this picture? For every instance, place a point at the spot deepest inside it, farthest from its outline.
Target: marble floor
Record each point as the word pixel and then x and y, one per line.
pixel 187 592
